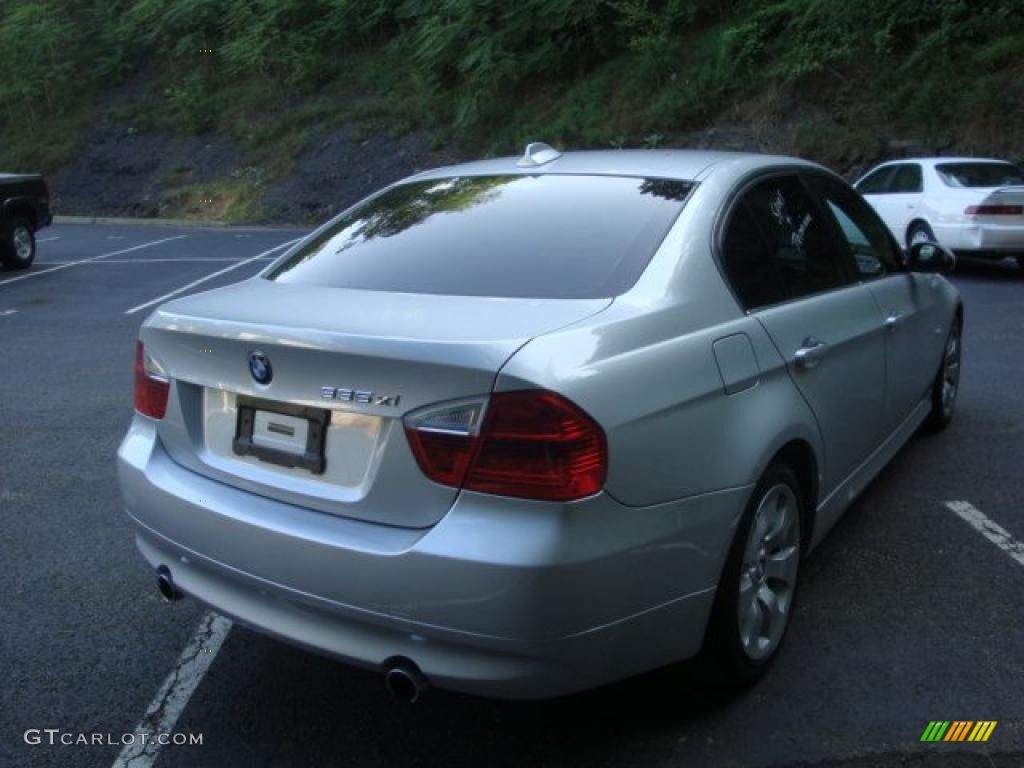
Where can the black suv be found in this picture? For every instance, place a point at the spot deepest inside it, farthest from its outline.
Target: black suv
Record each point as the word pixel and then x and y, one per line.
pixel 24 210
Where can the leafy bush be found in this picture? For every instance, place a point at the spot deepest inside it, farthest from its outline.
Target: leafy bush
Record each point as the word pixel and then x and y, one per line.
pixel 191 103
pixel 39 51
pixel 592 71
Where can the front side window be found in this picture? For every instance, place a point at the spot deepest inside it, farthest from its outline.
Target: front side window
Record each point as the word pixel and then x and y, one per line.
pixel 542 236
pixel 871 247
pixel 907 179
pixel 876 183
pixel 793 254
pixel 980 174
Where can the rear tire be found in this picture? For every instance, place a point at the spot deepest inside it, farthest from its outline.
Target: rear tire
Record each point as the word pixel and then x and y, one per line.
pixel 19 244
pixel 756 592
pixel 919 232
pixel 946 386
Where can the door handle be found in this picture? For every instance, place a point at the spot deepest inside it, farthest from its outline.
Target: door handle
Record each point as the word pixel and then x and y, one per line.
pixel 894 320
pixel 811 353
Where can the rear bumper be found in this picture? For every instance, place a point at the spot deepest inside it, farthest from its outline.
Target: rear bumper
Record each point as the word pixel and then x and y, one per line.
pixel 501 598
pixel 1000 240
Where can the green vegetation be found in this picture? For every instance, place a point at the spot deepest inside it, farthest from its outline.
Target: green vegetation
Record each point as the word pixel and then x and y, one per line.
pixel 484 75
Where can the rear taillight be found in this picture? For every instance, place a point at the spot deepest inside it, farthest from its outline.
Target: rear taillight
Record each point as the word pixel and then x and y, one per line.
pixel 994 210
pixel 530 444
pixel 151 388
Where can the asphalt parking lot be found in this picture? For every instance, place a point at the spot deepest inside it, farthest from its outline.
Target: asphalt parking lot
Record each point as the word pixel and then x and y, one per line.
pixel 908 613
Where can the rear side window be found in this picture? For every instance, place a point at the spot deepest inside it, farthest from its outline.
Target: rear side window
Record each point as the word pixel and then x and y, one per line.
pixel 748 262
pixel 980 174
pixel 907 179
pixel 876 183
pixel 544 236
pixel 793 254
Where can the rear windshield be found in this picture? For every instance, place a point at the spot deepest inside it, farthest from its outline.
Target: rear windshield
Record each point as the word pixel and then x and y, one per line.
pixel 544 236
pixel 980 174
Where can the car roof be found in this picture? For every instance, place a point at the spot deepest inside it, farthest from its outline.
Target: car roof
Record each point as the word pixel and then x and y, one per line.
pixel 933 161
pixel 682 164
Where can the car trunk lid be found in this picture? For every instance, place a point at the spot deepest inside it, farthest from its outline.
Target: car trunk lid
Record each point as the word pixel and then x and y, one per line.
pixel 356 360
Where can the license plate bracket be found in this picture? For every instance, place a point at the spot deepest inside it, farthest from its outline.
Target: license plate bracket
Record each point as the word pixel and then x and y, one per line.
pixel 308 456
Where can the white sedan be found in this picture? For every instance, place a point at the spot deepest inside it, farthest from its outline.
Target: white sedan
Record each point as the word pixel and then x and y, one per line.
pixel 970 205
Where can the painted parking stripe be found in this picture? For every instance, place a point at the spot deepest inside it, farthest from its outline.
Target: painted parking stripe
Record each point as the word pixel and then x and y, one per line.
pixel 7 312
pixel 168 704
pixel 90 259
pixel 211 276
pixel 989 529
pixel 48 239
pixel 197 260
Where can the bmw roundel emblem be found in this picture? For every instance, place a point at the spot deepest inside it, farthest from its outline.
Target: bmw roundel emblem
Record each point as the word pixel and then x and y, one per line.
pixel 259 367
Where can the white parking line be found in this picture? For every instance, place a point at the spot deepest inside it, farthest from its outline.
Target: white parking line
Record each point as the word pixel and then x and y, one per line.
pixel 6 312
pixel 65 265
pixel 201 280
pixel 168 704
pixel 990 530
pixel 48 239
pixel 162 261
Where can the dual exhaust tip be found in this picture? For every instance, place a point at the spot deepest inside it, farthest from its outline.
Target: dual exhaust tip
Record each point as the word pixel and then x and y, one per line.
pixel 402 677
pixel 165 585
pixel 404 680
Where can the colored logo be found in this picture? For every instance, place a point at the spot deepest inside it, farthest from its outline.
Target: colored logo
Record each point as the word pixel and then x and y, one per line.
pixel 958 730
pixel 259 367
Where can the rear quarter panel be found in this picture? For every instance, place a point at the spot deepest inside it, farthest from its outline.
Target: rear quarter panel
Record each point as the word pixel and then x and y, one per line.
pixel 672 430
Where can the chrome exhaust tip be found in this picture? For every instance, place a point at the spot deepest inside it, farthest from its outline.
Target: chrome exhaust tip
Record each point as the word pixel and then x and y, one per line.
pixel 165 585
pixel 405 682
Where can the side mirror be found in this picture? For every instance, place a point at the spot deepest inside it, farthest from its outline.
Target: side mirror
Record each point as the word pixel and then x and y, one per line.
pixel 930 257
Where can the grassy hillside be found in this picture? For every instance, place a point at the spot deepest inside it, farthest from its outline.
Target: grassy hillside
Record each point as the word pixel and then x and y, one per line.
pixel 483 76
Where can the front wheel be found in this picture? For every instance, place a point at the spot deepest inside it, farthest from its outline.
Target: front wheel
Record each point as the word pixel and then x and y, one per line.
pixel 946 386
pixel 758 585
pixel 19 246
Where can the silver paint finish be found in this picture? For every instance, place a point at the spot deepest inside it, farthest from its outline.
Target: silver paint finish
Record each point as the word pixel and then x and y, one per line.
pixel 844 388
pixel 501 596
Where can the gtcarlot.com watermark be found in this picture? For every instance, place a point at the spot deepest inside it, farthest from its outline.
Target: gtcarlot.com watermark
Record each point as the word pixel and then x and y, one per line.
pixel 56 737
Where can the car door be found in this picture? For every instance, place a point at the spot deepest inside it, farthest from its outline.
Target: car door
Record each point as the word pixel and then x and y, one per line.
pixel 905 300
pixel 901 200
pixel 787 268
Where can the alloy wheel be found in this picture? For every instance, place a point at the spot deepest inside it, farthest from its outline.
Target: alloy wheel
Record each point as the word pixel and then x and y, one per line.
pixel 771 558
pixel 951 371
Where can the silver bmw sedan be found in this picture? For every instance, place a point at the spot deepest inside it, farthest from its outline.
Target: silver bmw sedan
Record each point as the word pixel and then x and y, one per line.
pixel 522 427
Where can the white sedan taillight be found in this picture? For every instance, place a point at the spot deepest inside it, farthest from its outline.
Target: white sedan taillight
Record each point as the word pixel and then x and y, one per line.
pixel 151 388
pixel 994 210
pixel 530 444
